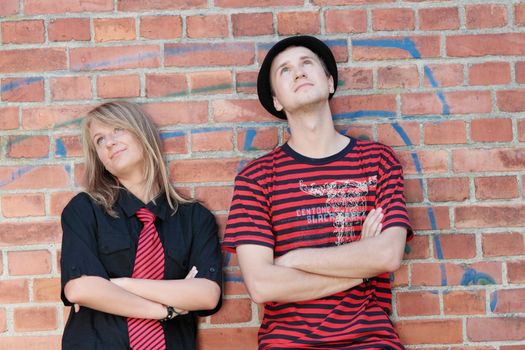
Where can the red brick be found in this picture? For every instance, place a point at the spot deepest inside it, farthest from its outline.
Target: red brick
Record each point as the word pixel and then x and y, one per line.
pixel 68 146
pixel 486 45
pixel 209 54
pixel 243 24
pixel 393 19
pixel 9 118
pixel 435 331
pixel 510 300
pixel 489 73
pixel 465 102
pixel 498 159
pixel 212 82
pixel 521 130
pixel 114 57
pixel 516 271
pixel 46 289
pixel 448 189
pixel 388 134
pixel 490 216
pixel 404 76
pixel 255 139
pixel 486 16
pixel 214 197
pixel 3 321
pixel 421 103
pixel 496 187
pixel 246 82
pixel 519 14
pixel 147 5
pixel 494 329
pixel 233 311
pixel 239 111
pixel 491 130
pixel 17 234
pixel 520 71
pixel 14 291
pixel 256 3
pixel 400 277
pixel 457 246
pixel 428 47
pixel 512 347
pixel 58 201
pixel 23 205
pixel 439 18
pixel 9 7
pixel 187 112
pixel 413 190
pixel 170 84
pixel 455 274
pixel 174 142
pixel 446 132
pixel 361 132
pixel 445 75
pixel 347 104
pixel 33 60
pixel 204 170
pixel 161 27
pixel 114 29
pixel 34 262
pixel 503 244
pixel 419 218
pixel 115 86
pixel 71 88
pixel 29 177
pixel 68 29
pixel 354 79
pixel 345 21
pixel 209 26
pixel 43 342
pixel 29 319
pixel 234 284
pixel 23 89
pixel 511 100
pixel 34 7
pixel 23 32
pixel 303 22
pixel 430 161
pixel 212 139
pixel 464 302
pixel 227 338
pixel 28 147
pixel 417 303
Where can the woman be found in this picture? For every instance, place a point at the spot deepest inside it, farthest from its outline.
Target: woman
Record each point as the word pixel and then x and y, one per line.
pixel 137 259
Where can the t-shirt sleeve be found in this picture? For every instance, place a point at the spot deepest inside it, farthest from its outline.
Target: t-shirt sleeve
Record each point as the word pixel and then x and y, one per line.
pixel 206 250
pixel 79 255
pixel 390 193
pixel 249 218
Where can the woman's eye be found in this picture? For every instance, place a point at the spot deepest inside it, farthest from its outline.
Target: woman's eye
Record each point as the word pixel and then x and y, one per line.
pixel 99 141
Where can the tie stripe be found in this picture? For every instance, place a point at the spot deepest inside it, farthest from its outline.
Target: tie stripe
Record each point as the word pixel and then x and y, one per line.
pixel 147 334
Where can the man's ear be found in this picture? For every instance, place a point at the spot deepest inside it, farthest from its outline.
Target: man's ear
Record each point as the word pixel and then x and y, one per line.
pixel 278 106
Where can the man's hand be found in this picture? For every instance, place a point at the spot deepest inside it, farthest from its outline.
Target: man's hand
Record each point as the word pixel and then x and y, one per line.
pixel 372 225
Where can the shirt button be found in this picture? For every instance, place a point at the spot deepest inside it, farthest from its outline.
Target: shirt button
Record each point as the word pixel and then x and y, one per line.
pixel 212 269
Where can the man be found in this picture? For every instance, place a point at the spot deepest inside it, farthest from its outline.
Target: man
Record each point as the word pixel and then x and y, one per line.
pixel 319 222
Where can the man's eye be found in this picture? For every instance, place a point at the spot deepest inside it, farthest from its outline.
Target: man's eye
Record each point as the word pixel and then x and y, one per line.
pixel 284 70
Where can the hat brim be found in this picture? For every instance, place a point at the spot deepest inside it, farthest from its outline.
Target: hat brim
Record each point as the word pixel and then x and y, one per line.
pixel 264 89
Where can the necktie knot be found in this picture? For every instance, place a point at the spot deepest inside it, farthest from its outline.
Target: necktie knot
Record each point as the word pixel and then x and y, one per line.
pixel 145 215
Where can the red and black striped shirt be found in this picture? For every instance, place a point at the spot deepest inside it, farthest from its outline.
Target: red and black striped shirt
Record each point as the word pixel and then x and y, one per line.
pixel 287 201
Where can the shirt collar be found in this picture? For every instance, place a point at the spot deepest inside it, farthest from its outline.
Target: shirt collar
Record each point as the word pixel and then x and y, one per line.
pixel 130 204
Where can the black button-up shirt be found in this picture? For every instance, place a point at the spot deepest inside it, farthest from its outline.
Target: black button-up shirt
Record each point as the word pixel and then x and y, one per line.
pixel 96 244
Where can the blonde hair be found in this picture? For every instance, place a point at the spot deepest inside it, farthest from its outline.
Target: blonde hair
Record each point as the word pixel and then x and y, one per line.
pixel 100 184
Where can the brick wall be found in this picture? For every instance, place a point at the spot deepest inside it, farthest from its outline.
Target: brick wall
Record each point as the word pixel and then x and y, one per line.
pixel 440 81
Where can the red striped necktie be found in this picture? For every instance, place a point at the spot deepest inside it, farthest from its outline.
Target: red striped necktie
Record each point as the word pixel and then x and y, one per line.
pixel 149 264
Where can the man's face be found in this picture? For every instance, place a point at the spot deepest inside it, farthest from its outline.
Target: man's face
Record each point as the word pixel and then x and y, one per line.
pixel 299 80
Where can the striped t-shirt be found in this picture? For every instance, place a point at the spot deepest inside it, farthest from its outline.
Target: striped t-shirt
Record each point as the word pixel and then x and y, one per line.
pixel 287 201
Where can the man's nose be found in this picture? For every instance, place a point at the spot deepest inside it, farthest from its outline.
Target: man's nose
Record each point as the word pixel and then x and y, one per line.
pixel 299 73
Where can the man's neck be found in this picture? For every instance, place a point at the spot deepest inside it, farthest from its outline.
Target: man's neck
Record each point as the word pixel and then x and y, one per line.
pixel 313 134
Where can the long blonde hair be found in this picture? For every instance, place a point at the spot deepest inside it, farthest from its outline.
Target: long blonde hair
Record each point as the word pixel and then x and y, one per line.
pixel 100 184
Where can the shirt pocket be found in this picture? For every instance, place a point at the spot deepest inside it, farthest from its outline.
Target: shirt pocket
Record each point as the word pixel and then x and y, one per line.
pixel 115 254
pixel 176 264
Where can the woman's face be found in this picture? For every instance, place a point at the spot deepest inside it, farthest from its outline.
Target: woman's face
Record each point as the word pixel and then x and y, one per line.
pixel 118 149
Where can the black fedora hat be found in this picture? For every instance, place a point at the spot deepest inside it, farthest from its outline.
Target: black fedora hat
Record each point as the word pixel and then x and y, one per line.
pixel 264 89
